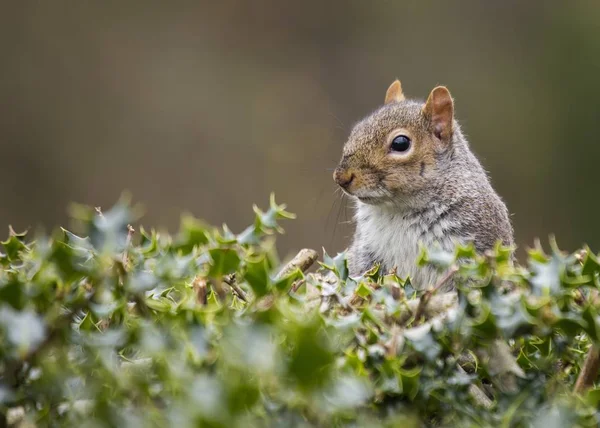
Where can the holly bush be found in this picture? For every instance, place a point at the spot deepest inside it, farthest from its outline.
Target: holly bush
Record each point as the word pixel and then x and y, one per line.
pixel 110 326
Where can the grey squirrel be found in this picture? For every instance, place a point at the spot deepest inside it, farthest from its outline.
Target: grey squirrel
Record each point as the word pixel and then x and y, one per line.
pixel 415 181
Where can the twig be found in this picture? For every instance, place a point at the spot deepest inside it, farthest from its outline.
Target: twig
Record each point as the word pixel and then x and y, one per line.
pixel 199 286
pixel 15 415
pixel 392 346
pixel 130 232
pixel 99 212
pixel 297 284
pixel 397 293
pixel 303 261
pixel 589 371
pixel 476 393
pixel 437 305
pixel 345 305
pixel 231 281
pixel 591 365
pixel 451 271
pixel 580 255
pixel 427 295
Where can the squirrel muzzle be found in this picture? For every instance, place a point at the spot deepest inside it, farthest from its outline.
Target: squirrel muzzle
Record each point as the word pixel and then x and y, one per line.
pixel 343 177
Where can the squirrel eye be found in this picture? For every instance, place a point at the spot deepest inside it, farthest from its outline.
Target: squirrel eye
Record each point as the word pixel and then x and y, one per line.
pixel 400 144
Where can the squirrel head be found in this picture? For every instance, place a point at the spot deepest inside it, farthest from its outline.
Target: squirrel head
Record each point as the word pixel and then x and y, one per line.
pixel 399 149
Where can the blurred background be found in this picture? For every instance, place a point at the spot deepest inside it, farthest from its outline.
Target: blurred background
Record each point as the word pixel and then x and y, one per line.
pixel 207 107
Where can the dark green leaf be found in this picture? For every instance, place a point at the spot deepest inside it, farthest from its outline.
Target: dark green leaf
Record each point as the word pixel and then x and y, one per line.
pixel 224 262
pixel 257 276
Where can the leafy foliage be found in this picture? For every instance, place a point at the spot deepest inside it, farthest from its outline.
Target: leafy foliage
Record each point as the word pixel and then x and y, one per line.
pixel 112 328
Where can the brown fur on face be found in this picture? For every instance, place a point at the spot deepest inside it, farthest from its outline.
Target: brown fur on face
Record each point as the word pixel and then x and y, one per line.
pixel 372 172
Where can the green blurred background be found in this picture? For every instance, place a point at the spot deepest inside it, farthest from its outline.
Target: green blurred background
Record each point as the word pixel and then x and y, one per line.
pixel 207 107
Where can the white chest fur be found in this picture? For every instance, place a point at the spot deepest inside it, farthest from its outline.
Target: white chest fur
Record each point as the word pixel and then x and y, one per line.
pixel 395 237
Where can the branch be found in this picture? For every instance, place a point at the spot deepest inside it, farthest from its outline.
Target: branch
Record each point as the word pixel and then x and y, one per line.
pixel 437 306
pixel 99 212
pixel 297 284
pixel 589 371
pixel 426 297
pixel 397 292
pixel 476 393
pixel 303 261
pixel 232 282
pixel 130 232
pixel 199 286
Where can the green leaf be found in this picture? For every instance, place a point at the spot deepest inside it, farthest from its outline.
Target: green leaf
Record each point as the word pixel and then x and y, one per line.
pixel 87 323
pixel 310 360
pixel 142 281
pixel 14 245
pixel 592 323
pixel 249 236
pixel 192 233
pixel 81 247
pixel 225 237
pixel 149 242
pixel 363 290
pixel 510 314
pixel 25 329
pixel 257 276
pixel 68 261
pixel 285 283
pixel 465 251
pixel 436 256
pixel 12 292
pixel 593 397
pixel 410 381
pixel 423 342
pixel 337 264
pixel 159 304
pixel 374 273
pixel 591 265
pixel 224 262
pixel 485 324
pixel 108 232
pixel 570 325
pixel 547 275
pixel 346 393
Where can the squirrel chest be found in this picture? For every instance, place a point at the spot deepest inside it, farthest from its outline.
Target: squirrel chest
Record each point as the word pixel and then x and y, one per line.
pixel 394 239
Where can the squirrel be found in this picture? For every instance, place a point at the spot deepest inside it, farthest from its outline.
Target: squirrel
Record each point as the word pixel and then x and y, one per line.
pixel 416 183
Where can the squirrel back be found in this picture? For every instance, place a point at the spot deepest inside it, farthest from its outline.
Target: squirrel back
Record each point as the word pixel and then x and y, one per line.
pixel 416 183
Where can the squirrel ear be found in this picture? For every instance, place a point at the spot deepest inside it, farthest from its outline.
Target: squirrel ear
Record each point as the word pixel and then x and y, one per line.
pixel 439 108
pixel 394 93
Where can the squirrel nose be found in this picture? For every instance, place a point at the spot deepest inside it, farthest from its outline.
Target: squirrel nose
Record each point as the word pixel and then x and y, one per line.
pixel 343 177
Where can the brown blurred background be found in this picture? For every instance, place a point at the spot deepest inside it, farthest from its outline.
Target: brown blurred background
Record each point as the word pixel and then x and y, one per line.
pixel 207 107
